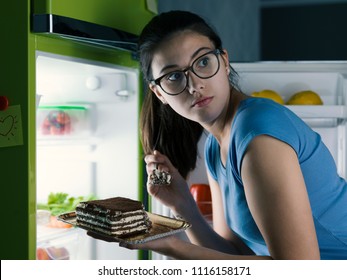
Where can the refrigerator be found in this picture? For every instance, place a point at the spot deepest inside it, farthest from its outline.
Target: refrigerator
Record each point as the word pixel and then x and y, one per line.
pixel 70 98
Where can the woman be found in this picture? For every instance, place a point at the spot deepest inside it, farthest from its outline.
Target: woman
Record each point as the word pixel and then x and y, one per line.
pixel 275 190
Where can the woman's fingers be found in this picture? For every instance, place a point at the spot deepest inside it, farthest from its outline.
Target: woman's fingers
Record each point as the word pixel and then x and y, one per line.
pixel 164 160
pixel 153 190
pixel 157 161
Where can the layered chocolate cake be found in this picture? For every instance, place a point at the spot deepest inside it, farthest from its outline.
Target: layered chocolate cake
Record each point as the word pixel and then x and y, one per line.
pixel 117 216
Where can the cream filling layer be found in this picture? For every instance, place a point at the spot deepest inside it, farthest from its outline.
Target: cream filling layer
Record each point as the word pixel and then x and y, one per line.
pixel 120 231
pixel 110 219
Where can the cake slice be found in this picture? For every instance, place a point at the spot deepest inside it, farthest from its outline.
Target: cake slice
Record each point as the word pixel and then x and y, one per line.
pixel 117 216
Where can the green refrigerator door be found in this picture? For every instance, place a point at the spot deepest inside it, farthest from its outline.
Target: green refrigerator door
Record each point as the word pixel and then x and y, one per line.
pixel 17 164
pixel 126 15
pixel 18 54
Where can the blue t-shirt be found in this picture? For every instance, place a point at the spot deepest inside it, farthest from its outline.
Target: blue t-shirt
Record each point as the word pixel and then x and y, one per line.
pixel 327 191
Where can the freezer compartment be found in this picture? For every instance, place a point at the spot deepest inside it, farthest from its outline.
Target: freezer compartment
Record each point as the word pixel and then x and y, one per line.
pixel 57 243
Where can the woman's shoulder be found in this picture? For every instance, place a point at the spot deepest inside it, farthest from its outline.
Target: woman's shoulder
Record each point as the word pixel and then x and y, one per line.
pixel 259 106
pixel 259 113
pixel 260 116
pixel 211 144
pixel 211 155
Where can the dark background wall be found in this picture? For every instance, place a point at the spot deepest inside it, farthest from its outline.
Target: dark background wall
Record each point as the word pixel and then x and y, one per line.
pixel 255 30
pixel 304 32
pixel 236 21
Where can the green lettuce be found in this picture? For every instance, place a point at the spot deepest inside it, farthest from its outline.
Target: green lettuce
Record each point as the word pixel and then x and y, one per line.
pixel 58 203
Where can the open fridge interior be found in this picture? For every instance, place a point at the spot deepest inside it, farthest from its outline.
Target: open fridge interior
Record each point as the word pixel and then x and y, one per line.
pixel 87 145
pixel 87 131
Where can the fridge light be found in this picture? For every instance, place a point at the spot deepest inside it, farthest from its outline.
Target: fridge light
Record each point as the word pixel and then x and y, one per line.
pixel 93 83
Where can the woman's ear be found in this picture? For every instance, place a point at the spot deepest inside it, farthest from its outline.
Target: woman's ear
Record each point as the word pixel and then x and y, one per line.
pixel 225 57
pixel 156 91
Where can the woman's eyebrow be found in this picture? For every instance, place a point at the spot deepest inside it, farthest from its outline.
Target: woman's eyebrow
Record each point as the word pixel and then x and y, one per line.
pixel 167 67
pixel 192 57
pixel 198 51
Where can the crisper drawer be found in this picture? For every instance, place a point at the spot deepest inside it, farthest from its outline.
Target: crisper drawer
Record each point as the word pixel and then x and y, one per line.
pixel 57 244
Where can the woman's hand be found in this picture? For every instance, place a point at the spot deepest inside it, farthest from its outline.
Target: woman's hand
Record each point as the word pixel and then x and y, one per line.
pixel 173 246
pixel 176 195
pixel 160 245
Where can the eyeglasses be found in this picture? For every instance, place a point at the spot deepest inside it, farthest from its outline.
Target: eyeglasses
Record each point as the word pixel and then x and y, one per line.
pixel 204 67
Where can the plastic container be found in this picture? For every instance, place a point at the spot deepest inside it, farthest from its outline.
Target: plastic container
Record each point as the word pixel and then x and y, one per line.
pixel 64 120
pixel 57 244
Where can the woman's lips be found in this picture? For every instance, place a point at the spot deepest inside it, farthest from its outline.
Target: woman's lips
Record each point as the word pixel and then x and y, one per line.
pixel 202 102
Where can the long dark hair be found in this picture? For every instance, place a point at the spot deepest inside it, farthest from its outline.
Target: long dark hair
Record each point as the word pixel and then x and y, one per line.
pixel 161 128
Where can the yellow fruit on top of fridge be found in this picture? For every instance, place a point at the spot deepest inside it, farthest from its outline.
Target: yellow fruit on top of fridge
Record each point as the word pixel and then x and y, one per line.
pixel 270 94
pixel 305 97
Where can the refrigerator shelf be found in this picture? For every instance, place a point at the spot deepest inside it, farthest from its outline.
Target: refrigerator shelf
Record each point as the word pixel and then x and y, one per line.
pixel 320 111
pixel 68 141
pixel 320 115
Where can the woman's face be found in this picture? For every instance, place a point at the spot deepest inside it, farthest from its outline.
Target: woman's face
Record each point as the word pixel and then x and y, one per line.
pixel 203 100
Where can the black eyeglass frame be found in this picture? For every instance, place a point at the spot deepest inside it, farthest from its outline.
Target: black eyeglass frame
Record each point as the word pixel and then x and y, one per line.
pixel 216 52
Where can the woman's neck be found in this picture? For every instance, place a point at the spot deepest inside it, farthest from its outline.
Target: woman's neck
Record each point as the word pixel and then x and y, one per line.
pixel 221 129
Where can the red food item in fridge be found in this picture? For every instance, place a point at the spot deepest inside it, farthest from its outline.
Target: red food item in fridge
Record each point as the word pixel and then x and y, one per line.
pixel 57 122
pixel 202 195
pixel 41 254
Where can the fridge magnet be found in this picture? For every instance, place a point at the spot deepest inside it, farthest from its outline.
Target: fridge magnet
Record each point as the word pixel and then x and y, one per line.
pixel 11 127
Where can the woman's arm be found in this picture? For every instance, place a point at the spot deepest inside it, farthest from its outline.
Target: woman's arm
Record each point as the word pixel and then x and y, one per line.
pixel 277 197
pixel 220 238
pixel 219 223
pixel 179 199
pixel 179 249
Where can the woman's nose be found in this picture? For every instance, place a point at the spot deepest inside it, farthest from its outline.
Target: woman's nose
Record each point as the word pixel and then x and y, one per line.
pixel 194 83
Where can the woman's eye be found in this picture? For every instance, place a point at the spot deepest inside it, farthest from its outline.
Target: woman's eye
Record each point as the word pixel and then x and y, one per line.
pixel 203 62
pixel 174 76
